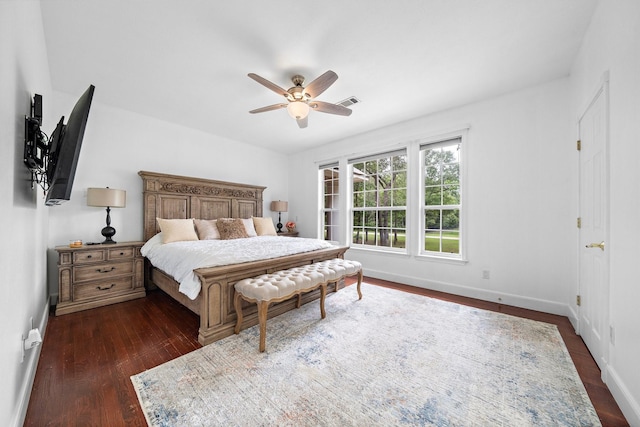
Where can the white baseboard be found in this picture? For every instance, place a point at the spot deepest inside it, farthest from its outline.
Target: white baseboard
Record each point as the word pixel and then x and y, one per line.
pixel 630 408
pixel 31 359
pixel 573 317
pixel 482 294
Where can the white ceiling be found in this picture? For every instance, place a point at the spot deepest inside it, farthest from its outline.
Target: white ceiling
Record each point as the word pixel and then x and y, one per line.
pixel 186 61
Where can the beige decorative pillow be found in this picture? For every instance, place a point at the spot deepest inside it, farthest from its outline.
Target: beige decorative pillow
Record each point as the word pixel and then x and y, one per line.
pixel 231 228
pixel 248 225
pixel 264 226
pixel 177 230
pixel 207 229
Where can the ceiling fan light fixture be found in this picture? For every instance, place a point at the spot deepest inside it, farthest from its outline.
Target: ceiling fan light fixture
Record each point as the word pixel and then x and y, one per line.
pixel 298 109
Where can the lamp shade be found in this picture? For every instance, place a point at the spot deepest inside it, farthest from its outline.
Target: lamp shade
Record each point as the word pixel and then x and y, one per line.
pixel 298 109
pixel 106 197
pixel 279 206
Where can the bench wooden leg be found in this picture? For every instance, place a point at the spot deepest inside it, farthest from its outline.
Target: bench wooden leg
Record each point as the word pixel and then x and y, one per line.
pixel 237 304
pixel 263 307
pixel 323 294
pixel 359 283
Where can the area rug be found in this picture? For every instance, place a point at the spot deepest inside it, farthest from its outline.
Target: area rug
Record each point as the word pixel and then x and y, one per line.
pixel 392 358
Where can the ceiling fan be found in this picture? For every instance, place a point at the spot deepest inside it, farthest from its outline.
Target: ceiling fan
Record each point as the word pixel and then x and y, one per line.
pixel 301 99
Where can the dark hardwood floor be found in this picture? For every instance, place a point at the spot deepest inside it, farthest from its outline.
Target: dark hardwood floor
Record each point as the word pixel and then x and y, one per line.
pixel 87 358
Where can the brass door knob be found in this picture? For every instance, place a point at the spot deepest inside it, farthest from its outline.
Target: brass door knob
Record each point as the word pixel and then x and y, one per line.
pixel 596 245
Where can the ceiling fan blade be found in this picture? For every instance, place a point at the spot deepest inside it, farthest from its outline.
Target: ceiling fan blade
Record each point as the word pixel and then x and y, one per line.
pixel 326 107
pixel 268 108
pixel 302 123
pixel 266 83
pixel 321 84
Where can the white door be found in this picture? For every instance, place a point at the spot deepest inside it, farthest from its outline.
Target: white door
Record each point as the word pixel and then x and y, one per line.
pixel 594 260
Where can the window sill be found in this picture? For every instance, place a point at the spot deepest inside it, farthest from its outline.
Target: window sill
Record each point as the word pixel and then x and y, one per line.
pixel 398 253
pixel 443 259
pixel 403 254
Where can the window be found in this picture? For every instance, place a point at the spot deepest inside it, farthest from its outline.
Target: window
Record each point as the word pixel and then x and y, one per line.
pixel 442 197
pixel 330 201
pixel 379 195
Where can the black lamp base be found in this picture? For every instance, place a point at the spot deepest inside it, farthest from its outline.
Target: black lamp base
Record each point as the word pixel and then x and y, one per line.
pixel 279 224
pixel 108 232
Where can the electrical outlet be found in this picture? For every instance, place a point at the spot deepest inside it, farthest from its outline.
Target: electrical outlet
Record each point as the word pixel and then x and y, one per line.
pixel 486 274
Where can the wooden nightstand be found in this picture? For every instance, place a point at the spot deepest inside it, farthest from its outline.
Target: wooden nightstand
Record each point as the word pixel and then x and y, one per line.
pixel 97 275
pixel 288 234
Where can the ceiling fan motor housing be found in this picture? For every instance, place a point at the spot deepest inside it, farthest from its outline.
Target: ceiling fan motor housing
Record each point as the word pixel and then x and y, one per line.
pixel 296 93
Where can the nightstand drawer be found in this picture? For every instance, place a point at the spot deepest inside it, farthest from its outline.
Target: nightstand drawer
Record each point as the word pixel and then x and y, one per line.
pixel 121 253
pixel 88 256
pixel 102 289
pixel 102 271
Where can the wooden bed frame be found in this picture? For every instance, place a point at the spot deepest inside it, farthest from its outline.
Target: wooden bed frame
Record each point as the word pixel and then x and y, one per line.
pixel 179 197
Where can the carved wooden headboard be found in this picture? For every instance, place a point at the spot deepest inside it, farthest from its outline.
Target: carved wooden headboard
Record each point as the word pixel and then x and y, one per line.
pixel 181 197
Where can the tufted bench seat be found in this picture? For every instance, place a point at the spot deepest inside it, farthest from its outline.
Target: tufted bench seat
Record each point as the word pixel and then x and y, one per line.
pixel 282 285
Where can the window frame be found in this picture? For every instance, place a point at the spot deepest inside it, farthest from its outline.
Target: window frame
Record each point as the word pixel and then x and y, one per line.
pixel 351 229
pixel 423 145
pixel 334 212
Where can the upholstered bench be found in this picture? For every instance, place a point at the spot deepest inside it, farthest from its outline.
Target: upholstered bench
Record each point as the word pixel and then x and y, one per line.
pixel 282 285
pixel 337 269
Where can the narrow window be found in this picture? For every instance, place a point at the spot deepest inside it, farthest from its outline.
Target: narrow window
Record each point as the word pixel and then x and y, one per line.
pixel 330 215
pixel 379 201
pixel 442 204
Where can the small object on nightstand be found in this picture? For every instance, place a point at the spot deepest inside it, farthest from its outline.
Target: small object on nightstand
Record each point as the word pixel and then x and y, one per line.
pixel 77 243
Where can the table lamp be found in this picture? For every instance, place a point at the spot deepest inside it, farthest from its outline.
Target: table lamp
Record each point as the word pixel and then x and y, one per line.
pixel 109 198
pixel 279 206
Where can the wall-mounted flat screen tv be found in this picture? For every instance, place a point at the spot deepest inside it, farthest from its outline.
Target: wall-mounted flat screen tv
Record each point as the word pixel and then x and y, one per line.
pixel 64 150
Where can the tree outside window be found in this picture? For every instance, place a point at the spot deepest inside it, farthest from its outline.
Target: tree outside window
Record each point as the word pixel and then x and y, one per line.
pixel 442 202
pixel 380 201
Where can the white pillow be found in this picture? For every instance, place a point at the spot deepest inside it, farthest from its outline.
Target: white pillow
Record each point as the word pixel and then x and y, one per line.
pixel 264 226
pixel 248 225
pixel 177 230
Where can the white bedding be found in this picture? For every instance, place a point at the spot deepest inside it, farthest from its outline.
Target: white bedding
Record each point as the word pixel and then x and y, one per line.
pixel 179 259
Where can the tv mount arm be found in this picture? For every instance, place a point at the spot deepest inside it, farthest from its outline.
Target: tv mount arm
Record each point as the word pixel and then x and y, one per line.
pixel 36 145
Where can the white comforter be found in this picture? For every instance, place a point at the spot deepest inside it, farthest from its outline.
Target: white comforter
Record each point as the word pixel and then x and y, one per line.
pixel 179 259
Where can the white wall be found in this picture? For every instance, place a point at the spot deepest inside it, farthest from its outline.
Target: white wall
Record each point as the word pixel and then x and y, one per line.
pixel 520 206
pixel 118 144
pixel 612 44
pixel 23 72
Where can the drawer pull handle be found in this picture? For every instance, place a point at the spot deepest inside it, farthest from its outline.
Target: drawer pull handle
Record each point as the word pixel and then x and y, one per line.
pixel 121 253
pixel 106 288
pixel 88 256
pixel 105 270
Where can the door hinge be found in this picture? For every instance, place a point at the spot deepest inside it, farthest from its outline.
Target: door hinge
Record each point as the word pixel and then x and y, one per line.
pixel 578 300
pixel 579 222
pixel 578 145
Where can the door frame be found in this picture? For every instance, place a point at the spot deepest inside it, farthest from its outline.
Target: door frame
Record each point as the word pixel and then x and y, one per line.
pixel 602 90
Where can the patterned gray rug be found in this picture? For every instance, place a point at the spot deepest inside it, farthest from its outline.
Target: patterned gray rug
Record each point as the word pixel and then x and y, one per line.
pixel 391 358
